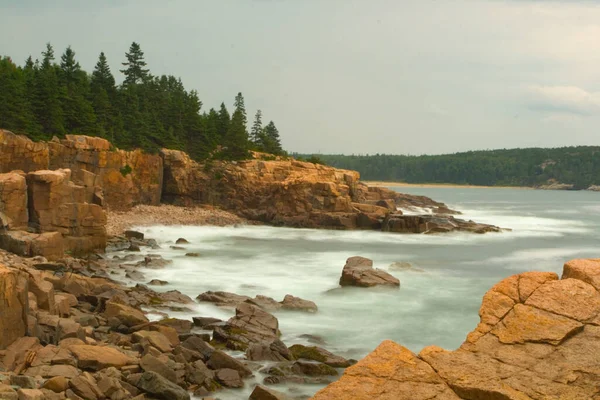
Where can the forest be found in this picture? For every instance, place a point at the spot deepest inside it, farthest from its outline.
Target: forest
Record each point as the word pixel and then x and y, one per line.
pixel 46 97
pixel 579 166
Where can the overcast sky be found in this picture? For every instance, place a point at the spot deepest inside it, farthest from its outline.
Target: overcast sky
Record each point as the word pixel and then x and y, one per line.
pixel 354 76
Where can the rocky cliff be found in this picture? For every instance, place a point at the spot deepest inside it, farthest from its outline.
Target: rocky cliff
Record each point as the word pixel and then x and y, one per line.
pixel 538 339
pixel 53 194
pixel 126 178
pixel 293 193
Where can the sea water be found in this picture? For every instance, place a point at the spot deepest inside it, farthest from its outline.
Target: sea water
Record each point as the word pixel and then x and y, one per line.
pixel 439 297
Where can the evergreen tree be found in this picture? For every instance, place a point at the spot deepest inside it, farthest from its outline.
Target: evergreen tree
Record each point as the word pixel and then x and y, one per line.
pixel 135 71
pixel 237 143
pixel 14 107
pixel 272 142
pixel 46 98
pixel 104 100
pixel 43 99
pixel 78 113
pixel 223 123
pixel 257 131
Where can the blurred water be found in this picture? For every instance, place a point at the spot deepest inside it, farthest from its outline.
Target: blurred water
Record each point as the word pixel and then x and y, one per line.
pixel 437 306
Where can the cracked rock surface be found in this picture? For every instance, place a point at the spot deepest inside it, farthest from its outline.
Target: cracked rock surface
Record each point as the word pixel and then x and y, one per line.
pixel 538 339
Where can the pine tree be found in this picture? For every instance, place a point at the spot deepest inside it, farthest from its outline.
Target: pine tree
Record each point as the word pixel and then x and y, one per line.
pixel 46 99
pixel 272 142
pixel 135 72
pixel 15 113
pixel 237 143
pixel 257 131
pixel 78 113
pixel 103 94
pixel 223 123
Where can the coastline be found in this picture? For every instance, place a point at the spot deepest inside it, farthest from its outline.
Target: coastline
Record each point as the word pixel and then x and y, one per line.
pixel 440 185
pixel 164 214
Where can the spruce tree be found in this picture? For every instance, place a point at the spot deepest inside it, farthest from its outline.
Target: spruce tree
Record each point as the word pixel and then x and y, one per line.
pixel 46 99
pixel 223 123
pixel 272 142
pixel 103 95
pixel 236 140
pixel 79 116
pixel 15 113
pixel 257 131
pixel 134 71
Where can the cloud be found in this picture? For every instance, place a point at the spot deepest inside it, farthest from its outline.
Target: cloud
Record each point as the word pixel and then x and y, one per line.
pixel 564 100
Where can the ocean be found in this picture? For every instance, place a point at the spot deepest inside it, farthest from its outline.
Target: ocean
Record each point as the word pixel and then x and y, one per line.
pixel 440 295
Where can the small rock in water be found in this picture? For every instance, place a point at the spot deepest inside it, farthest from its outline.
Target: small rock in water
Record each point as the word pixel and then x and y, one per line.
pixel 133 247
pixel 177 247
pixel 263 393
pixel 297 304
pixel 157 282
pixel 400 266
pixel 359 271
pixel 134 235
pixel 182 241
pixel 192 254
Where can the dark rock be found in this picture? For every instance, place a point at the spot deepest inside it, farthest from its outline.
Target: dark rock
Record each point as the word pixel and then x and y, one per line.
pixel 297 304
pixel 134 234
pixel 274 351
pixel 177 247
pixel 150 363
pixel 359 271
pixel 265 302
pixel 23 381
pixel 229 378
pixel 204 321
pixel 321 355
pixel 222 299
pixel 249 325
pixel 157 282
pixel 160 387
pixel 313 369
pixel 220 360
pixel 200 346
pixel 181 241
pixel 263 393
pixel 192 254
pixel 133 247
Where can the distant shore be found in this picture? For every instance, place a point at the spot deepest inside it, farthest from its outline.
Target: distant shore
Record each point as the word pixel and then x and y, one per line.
pixel 441 185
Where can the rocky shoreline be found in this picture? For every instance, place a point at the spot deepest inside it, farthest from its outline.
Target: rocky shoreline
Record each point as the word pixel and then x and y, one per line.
pixel 537 339
pixel 81 333
pixel 145 215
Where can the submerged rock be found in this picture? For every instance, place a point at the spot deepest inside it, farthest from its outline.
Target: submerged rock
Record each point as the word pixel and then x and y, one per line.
pixel 359 271
pixel 538 338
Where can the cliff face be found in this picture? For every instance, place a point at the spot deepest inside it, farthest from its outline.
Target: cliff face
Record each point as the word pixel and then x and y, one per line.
pixel 538 339
pixel 126 178
pixel 301 194
pixel 62 185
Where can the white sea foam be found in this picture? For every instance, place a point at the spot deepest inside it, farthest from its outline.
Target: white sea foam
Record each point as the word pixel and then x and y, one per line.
pixel 436 307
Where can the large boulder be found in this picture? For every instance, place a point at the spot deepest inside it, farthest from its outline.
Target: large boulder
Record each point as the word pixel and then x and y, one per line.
pixel 359 271
pixel 49 245
pixel 538 338
pixel 250 325
pixel 56 204
pixel 14 305
pixel 160 387
pixel 13 201
pixel 99 357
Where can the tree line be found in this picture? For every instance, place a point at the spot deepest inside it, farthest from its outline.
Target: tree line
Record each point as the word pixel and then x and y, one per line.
pixel 48 98
pixel 579 166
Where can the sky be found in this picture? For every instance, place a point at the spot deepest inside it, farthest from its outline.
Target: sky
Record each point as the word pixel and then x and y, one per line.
pixel 354 76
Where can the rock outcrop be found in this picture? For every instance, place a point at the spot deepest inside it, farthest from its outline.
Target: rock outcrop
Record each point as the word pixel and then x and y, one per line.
pixel 359 271
pixel 13 201
pixel 301 194
pixel 14 306
pixel 538 339
pixel 126 178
